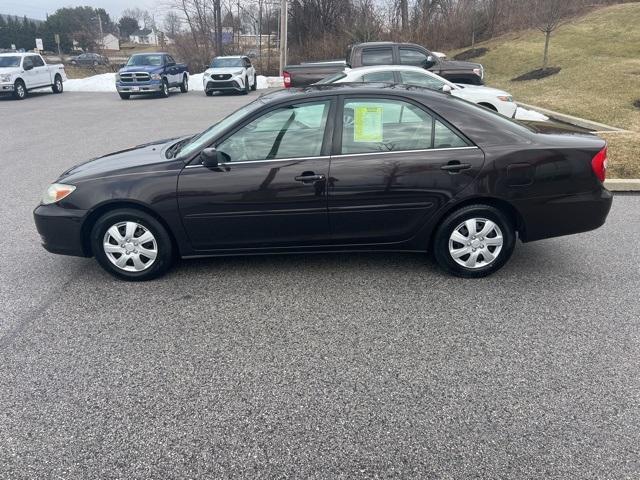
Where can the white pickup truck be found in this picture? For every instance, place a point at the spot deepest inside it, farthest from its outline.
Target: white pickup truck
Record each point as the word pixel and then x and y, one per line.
pixel 22 72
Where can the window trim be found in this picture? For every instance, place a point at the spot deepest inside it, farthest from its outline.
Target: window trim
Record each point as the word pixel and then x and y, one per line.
pixel 338 127
pixel 325 150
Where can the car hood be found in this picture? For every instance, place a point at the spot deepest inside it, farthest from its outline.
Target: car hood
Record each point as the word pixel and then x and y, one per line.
pixel 139 159
pixel 458 65
pixel 218 71
pixel 141 68
pixel 10 70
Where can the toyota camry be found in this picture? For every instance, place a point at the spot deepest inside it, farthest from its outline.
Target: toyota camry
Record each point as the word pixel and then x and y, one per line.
pixel 343 167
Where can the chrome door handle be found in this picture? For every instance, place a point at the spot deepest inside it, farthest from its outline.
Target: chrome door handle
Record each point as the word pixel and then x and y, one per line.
pixel 309 178
pixel 455 166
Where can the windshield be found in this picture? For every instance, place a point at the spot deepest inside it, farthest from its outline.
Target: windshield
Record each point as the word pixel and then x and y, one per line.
pixel 145 60
pixel 9 61
pixel 332 78
pixel 222 62
pixel 205 138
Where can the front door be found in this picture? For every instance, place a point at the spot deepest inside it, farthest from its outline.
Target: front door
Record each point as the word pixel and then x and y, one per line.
pixel 271 189
pixel 396 166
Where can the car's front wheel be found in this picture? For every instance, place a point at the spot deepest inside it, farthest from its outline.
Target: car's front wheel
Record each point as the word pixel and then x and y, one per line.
pixel 164 92
pixel 124 96
pixel 131 245
pixel 19 90
pixel 474 241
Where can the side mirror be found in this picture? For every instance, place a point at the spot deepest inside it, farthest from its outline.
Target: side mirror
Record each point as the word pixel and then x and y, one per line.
pixel 446 89
pixel 430 61
pixel 210 157
pixel 28 67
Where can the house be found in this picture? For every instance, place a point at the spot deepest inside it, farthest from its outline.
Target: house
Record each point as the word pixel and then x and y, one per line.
pixel 147 36
pixel 110 42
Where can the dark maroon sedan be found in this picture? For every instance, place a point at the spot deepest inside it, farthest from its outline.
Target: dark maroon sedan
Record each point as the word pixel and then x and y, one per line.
pixel 333 168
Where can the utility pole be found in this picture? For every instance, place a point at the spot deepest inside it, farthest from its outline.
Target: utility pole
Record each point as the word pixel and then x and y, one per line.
pixel 101 32
pixel 283 35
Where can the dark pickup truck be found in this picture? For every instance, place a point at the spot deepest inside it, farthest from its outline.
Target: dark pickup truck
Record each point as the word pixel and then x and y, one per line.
pixel 385 53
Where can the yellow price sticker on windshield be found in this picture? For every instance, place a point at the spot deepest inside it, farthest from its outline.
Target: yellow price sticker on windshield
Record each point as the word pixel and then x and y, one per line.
pixel 368 124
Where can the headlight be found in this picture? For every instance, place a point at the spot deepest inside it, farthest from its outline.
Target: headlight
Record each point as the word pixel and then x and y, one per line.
pixel 56 192
pixel 6 77
pixel 239 72
pixel 207 74
pixel 478 71
pixel 505 98
pixel 156 76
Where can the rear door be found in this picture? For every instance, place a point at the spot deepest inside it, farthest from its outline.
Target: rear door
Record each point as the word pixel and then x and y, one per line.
pixel 395 165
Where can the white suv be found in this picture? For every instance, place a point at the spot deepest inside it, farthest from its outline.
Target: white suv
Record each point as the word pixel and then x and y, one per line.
pixel 234 73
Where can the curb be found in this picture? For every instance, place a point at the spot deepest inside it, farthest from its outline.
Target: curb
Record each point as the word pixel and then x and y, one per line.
pixel 580 122
pixel 623 184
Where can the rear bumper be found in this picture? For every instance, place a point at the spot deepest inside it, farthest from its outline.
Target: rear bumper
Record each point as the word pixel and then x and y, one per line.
pixel 556 216
pixel 60 229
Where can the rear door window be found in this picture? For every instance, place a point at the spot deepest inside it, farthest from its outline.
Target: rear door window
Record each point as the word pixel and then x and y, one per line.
pixel 377 56
pixel 422 80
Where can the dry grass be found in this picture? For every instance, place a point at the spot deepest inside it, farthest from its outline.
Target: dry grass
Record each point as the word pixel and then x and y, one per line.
pixel 599 54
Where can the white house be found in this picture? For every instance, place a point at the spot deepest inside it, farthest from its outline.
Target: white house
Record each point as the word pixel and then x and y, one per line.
pixel 147 36
pixel 110 42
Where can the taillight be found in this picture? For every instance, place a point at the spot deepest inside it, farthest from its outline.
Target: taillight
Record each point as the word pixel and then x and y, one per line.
pixel 287 79
pixel 599 164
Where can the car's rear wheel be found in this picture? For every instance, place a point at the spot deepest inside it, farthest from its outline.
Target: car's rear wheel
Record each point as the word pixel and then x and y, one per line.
pixel 19 90
pixel 184 86
pixel 255 83
pixel 131 245
pixel 124 96
pixel 57 86
pixel 164 92
pixel 474 241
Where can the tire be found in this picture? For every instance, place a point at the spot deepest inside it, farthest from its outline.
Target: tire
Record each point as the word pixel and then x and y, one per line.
pixel 135 265
pixel 246 86
pixel 184 86
pixel 124 96
pixel 164 93
pixel 57 86
pixel 95 63
pixel 254 87
pixel 209 93
pixel 19 90
pixel 478 247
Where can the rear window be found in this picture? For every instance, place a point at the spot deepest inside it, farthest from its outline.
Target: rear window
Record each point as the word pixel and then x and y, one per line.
pixel 377 56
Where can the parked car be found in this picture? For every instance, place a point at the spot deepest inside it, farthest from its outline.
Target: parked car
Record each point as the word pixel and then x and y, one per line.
pixel 232 73
pixel 89 59
pixel 151 73
pixel 385 53
pixel 333 168
pixel 22 72
pixel 492 98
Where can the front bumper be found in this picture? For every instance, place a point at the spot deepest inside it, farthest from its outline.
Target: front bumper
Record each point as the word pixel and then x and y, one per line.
pixel 153 86
pixel 233 84
pixel 6 88
pixel 60 229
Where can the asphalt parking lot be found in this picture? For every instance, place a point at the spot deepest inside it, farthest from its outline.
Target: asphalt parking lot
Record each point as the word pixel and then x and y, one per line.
pixel 323 366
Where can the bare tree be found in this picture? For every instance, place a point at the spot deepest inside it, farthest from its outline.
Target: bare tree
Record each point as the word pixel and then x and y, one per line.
pixel 172 24
pixel 548 17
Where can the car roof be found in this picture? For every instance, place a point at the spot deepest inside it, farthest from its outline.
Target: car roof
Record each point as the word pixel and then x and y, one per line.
pixel 350 88
pixel 17 54
pixel 149 53
pixel 231 56
pixel 395 68
pixel 384 44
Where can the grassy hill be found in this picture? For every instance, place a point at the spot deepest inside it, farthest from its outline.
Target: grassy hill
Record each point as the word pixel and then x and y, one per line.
pixel 599 54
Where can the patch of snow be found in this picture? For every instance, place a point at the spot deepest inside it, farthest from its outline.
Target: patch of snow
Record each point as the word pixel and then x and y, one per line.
pixel 105 82
pixel 524 114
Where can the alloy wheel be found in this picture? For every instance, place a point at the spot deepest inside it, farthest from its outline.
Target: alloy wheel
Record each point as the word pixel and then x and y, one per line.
pixel 476 243
pixel 130 246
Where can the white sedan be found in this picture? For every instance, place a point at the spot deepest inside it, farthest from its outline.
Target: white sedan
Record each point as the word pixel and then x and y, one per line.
pixel 497 100
pixel 232 73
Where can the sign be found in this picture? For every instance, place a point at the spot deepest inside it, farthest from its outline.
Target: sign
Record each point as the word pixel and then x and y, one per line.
pixel 39 44
pixel 57 37
pixel 368 124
